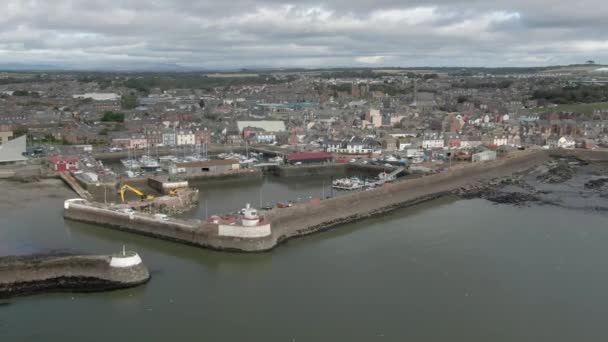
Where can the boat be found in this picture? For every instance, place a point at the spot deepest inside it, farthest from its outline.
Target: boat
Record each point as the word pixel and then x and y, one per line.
pixel 278 160
pixel 147 163
pixel 283 205
pixel 353 183
pixel 130 164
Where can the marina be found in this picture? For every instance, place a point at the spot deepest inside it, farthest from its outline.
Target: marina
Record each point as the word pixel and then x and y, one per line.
pixel 438 256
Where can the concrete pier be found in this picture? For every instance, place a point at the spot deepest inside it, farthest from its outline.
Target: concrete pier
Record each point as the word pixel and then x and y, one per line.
pixel 306 218
pixel 76 273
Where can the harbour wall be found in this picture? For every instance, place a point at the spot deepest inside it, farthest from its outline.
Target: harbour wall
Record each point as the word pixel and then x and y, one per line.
pixel 328 169
pixel 304 219
pixel 313 217
pixel 192 232
pixel 78 273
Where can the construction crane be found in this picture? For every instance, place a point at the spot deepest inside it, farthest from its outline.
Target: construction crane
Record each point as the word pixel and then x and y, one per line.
pixel 138 192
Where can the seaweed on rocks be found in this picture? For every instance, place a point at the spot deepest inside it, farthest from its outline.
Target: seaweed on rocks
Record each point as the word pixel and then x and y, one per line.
pixel 558 173
pixel 596 183
pixel 516 198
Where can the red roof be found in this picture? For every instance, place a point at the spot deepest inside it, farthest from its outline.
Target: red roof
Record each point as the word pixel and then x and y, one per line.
pixel 309 156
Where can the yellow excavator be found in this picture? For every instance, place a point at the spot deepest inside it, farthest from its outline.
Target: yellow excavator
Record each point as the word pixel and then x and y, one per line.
pixel 138 192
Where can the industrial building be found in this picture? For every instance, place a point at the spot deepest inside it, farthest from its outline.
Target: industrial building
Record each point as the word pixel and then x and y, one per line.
pixel 309 157
pixel 204 167
pixel 266 125
pixel 484 156
pixel 13 150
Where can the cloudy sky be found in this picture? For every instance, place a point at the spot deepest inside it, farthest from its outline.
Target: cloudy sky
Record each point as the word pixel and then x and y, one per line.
pixel 273 33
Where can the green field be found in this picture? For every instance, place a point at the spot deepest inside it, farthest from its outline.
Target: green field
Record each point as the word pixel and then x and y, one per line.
pixel 584 108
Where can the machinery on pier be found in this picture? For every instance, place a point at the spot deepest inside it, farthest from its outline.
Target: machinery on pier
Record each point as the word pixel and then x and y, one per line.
pixel 141 194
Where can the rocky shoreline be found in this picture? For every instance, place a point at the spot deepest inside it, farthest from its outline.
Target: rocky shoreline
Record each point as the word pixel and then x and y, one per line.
pixel 568 182
pixel 27 275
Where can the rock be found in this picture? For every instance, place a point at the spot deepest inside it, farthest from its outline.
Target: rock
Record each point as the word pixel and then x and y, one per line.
pixel 558 173
pixel 517 198
pixel 596 183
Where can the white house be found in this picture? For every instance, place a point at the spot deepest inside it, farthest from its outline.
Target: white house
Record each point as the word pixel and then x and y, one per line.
pixel 433 142
pixel 185 138
pixel 501 141
pixel 332 146
pixel 566 142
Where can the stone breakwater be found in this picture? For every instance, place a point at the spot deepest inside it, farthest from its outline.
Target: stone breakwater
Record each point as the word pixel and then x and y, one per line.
pixel 308 218
pixel 25 275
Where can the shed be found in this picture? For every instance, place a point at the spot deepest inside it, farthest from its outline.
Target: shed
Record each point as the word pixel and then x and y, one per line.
pixel 484 156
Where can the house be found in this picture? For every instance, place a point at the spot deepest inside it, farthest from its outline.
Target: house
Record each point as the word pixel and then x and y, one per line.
pixel 358 145
pixel 390 144
pixel 552 141
pixel 169 138
pixel 374 117
pixel 454 142
pixel 234 137
pixel 153 135
pixel 566 142
pixel 202 137
pixel 6 134
pixel 139 141
pixel 500 140
pixel 185 138
pixel 334 146
pixel 61 164
pixel 432 140
pixel 258 135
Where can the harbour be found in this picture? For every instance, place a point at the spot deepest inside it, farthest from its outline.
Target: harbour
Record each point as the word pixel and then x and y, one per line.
pixel 521 264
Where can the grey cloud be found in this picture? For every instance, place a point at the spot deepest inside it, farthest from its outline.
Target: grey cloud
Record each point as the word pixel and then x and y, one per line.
pixel 231 34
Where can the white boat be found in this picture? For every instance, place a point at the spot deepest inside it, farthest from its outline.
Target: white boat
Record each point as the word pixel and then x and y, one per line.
pixel 353 183
pixel 148 163
pixel 130 164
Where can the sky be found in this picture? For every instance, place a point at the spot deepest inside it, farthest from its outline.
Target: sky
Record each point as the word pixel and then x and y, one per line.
pixel 232 34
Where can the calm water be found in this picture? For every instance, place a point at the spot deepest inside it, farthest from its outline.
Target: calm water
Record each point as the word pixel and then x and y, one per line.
pixel 450 270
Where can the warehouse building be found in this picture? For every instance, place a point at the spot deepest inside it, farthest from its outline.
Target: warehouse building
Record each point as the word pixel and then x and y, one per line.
pixel 13 150
pixel 204 167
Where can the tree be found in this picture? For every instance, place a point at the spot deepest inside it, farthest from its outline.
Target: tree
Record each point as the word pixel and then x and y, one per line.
pixel 201 103
pixel 590 62
pixel 128 101
pixel 113 117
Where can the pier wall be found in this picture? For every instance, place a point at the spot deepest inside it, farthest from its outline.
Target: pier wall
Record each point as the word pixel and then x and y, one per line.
pixel 201 234
pixel 329 169
pixel 311 217
pixel 33 274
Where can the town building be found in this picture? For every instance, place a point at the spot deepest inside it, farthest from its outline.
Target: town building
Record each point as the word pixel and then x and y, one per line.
pixel 6 134
pixel 62 164
pixel 185 138
pixel 566 142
